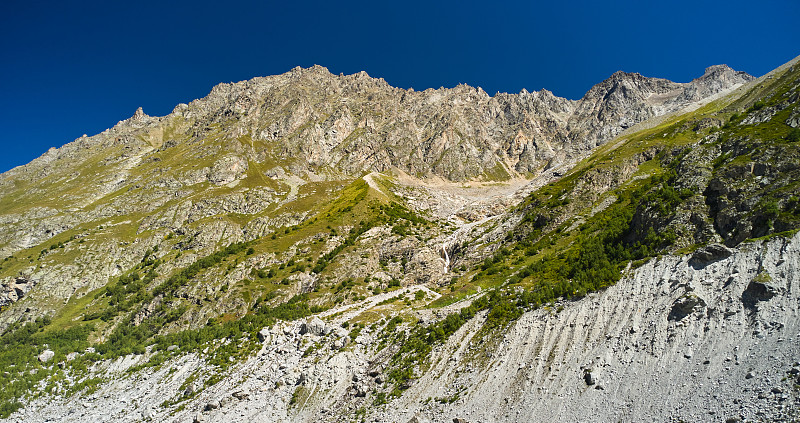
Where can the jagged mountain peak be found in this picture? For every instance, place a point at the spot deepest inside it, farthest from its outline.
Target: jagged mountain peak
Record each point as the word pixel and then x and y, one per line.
pixel 138 115
pixel 724 72
pixel 610 100
pixel 316 124
pixel 717 69
pixel 719 74
pixel 631 83
pixel 313 69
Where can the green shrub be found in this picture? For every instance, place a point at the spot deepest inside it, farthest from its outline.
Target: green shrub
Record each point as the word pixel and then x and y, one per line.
pixel 793 135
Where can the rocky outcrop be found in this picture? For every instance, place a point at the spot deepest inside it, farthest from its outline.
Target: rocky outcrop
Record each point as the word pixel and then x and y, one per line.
pixel 14 289
pixel 708 254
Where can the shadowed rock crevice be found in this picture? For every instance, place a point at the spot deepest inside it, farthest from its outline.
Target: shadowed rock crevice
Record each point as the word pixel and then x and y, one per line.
pixel 760 289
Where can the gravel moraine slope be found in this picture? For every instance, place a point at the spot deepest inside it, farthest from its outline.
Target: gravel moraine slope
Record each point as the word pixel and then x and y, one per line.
pixel 714 338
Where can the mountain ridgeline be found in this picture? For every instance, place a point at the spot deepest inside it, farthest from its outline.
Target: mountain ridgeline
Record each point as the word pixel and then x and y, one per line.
pixel 308 246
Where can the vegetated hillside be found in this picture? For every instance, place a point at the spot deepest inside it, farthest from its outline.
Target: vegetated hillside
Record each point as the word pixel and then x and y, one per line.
pixel 264 136
pixel 228 258
pixel 255 158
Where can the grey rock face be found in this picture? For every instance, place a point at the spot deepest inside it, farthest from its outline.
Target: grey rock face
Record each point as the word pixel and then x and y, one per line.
pixel 688 362
pixel 315 326
pixel 264 335
pixel 794 119
pixel 13 290
pixel 610 101
pixel 684 306
pixel 709 254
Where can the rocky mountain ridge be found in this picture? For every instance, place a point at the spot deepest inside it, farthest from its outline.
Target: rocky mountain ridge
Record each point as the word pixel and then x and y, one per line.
pixel 316 125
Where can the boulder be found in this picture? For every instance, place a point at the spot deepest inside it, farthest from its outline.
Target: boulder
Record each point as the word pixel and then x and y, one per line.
pixel 588 378
pixel 46 356
pixel 361 391
pixel 761 288
pixel 684 306
pixel 709 254
pixel 241 395
pixel 794 119
pixel 189 390
pixel 341 343
pixel 315 326
pixel 263 335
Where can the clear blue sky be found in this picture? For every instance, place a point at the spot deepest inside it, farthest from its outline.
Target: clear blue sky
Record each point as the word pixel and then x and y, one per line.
pixel 69 68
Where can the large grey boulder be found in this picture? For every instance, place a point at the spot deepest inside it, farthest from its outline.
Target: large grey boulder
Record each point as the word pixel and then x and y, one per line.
pixel 709 254
pixel 684 306
pixel 761 288
pixel 211 405
pixel 794 119
pixel 315 326
pixel 263 335
pixel 46 356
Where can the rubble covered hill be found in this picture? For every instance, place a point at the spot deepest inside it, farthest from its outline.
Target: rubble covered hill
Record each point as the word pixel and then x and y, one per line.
pixel 308 247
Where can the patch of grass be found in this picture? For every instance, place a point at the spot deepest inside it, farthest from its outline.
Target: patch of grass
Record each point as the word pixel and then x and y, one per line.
pixel 19 347
pixel 497 173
